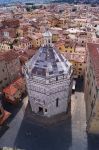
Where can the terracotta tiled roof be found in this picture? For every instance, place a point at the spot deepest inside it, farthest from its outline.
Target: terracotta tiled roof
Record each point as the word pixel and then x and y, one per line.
pixel 30 52
pixel 36 36
pixel 59 43
pixel 8 56
pixel 10 90
pixel 27 54
pixel 23 59
pixel 13 88
pixel 5 117
pixel 94 55
pixel 23 40
pixel 10 23
pixel 75 57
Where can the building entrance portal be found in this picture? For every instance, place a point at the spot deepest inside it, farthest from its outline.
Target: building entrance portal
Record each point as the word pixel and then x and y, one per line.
pixel 40 111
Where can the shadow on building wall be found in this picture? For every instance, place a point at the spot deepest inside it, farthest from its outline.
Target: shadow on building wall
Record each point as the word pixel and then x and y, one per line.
pixel 93 142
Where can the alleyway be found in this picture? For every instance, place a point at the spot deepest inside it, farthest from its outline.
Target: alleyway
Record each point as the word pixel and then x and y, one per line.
pixel 78 121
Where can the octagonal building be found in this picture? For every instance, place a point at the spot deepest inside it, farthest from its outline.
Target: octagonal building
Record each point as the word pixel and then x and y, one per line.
pixel 48 79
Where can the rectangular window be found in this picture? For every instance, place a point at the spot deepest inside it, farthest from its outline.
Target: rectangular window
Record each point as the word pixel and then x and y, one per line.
pixel 45 110
pixel 0 82
pixel 80 68
pixel 90 92
pixel 56 78
pixel 57 102
pixel 0 112
pixel 92 104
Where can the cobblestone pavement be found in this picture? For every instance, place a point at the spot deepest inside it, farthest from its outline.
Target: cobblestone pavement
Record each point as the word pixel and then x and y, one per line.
pixel 70 134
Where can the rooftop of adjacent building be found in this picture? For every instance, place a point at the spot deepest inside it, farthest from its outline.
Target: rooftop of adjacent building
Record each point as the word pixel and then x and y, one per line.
pixel 22 40
pixel 14 87
pixel 25 55
pixel 36 36
pixel 77 57
pixel 8 56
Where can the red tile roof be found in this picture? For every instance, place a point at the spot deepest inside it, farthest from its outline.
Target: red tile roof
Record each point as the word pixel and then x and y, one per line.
pixel 75 57
pixel 27 54
pixel 5 117
pixel 8 56
pixel 94 55
pixel 13 87
pixel 10 90
pixel 11 23
pixel 18 83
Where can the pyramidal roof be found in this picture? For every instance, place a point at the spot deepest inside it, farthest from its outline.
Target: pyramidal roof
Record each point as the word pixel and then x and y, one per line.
pixel 48 62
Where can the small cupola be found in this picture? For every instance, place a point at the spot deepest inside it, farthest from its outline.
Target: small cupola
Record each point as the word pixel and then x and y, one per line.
pixel 47 38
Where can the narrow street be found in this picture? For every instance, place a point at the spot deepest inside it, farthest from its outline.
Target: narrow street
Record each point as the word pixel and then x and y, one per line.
pixel 79 136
